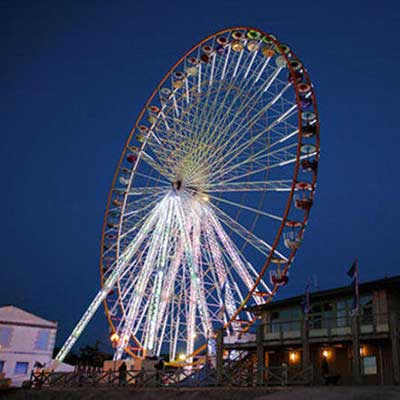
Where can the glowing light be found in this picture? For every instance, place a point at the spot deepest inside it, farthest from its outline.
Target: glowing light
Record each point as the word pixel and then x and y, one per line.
pixel 326 353
pixel 182 357
pixel 293 356
pixel 205 197
pixel 114 337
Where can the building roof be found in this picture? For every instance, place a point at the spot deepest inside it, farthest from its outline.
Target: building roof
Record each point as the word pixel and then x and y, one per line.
pixel 392 282
pixel 11 315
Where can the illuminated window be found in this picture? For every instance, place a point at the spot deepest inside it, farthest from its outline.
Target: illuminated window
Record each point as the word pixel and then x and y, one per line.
pixel 369 365
pixel 21 368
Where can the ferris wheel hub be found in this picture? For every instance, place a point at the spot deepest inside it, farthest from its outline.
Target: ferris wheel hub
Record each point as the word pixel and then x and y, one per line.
pixel 177 185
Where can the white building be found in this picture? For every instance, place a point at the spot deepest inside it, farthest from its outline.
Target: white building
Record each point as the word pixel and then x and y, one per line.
pixel 24 339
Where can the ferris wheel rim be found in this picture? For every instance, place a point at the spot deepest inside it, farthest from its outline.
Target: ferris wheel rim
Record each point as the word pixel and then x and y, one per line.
pixel 294 180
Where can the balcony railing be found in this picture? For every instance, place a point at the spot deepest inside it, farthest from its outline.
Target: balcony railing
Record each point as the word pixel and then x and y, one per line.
pixel 325 326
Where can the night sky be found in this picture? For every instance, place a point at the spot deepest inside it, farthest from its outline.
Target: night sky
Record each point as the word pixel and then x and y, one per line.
pixel 74 76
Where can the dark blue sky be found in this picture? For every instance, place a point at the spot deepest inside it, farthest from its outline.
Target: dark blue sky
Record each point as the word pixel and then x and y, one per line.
pixel 74 76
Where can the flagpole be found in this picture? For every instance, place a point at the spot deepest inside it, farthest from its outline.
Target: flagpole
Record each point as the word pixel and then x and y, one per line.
pixel 357 284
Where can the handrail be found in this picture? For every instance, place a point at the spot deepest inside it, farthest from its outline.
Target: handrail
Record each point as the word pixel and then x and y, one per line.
pixel 319 321
pixel 242 375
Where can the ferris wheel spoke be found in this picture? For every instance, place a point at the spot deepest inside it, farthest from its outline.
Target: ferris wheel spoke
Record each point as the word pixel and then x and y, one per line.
pixel 196 235
pixel 140 209
pixel 138 206
pixel 155 165
pixel 264 65
pixel 201 112
pixel 240 133
pixel 148 190
pixel 248 208
pixel 195 294
pixel 217 157
pixel 269 167
pixel 151 178
pixel 252 186
pixel 166 295
pixel 252 100
pixel 259 244
pixel 123 295
pixel 237 262
pixel 221 272
pixel 211 112
pixel 221 112
pixel 139 323
pixel 144 277
pixel 259 157
pixel 160 274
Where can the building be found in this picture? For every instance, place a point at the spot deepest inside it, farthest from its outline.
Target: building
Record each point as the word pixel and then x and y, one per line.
pixel 331 339
pixel 24 339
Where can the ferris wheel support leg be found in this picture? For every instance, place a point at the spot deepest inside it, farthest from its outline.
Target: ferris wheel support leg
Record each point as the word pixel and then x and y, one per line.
pixel 87 316
pixel 102 294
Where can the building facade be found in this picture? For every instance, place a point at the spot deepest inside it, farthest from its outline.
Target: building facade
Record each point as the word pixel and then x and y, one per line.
pixel 337 344
pixel 24 339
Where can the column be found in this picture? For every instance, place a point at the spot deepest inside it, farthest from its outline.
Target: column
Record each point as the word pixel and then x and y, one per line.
pixel 305 342
pixel 355 333
pixel 260 354
pixel 219 354
pixel 394 339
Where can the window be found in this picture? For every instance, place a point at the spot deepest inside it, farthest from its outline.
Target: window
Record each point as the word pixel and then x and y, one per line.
pixel 284 320
pixel 369 365
pixel 5 336
pixel 1 366
pixel 21 368
pixel 275 315
pixel 343 312
pixel 366 309
pixel 42 340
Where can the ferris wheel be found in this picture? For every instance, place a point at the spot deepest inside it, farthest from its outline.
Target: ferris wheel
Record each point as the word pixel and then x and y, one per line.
pixel 210 198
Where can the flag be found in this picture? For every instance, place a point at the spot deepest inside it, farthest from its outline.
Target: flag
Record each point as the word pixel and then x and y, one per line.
pixel 353 274
pixel 352 270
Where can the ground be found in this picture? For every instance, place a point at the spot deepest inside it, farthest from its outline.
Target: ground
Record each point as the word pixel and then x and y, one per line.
pixel 293 393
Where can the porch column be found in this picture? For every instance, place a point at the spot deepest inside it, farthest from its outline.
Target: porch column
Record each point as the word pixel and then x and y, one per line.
pixel 260 354
pixel 219 354
pixel 355 333
pixel 305 342
pixel 394 338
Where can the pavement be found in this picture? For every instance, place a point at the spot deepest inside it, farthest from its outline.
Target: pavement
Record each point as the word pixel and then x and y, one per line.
pixel 291 393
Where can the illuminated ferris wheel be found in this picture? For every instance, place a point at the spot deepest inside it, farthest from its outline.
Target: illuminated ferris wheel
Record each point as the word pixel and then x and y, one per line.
pixel 213 188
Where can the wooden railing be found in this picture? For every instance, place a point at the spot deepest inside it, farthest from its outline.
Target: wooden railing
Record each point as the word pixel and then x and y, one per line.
pixel 321 326
pixel 231 375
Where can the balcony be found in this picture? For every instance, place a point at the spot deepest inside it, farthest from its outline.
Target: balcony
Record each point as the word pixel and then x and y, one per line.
pixel 327 328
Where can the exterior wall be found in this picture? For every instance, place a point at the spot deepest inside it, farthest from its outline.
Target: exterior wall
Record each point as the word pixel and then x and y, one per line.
pixel 393 303
pixel 386 363
pixel 23 348
pixel 380 304
pixel 330 327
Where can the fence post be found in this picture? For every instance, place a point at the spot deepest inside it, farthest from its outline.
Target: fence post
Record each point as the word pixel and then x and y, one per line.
pixel 355 333
pixel 394 338
pixel 260 354
pixel 219 354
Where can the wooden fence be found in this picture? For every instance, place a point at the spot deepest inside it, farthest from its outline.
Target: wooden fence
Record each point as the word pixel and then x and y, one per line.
pixel 230 375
